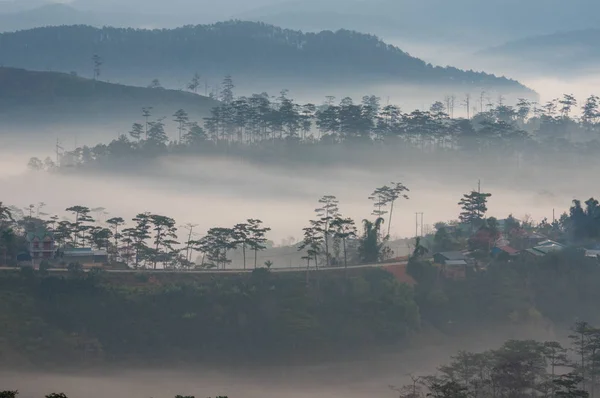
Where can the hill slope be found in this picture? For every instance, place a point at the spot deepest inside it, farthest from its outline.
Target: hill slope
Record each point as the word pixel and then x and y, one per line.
pixel 562 52
pixel 249 51
pixel 28 98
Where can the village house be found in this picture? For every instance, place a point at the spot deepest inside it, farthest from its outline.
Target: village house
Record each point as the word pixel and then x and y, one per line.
pixel 86 256
pixel 453 264
pixel 42 245
pixel 543 248
pixel 504 252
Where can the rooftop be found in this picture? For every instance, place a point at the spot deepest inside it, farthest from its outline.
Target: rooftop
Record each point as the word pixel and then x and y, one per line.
pixel 38 233
pixel 452 256
pixel 456 262
pixel 549 243
pixel 592 253
pixel 543 250
pixel 535 252
pixel 84 251
pixel 509 250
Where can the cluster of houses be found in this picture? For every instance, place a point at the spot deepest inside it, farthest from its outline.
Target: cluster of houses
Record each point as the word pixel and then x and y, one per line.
pixel 456 264
pixel 42 246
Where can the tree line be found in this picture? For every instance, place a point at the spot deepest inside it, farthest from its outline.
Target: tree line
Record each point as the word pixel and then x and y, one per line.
pixel 152 240
pixel 149 240
pixel 264 121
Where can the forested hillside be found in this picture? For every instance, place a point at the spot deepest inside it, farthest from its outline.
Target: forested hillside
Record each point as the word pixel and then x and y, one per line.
pixel 28 98
pixel 99 317
pixel 243 49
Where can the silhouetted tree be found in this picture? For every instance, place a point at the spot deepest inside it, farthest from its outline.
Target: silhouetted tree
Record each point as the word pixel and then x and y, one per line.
pixel 328 211
pixel 194 83
pixel 344 229
pixel 97 61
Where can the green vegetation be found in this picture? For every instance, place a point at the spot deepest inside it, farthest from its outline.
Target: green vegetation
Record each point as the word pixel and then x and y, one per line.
pixel 113 317
pixel 106 316
pixel 247 50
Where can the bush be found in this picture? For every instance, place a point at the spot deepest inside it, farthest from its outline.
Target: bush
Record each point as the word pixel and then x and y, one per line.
pixel 27 272
pixel 45 266
pixel 75 269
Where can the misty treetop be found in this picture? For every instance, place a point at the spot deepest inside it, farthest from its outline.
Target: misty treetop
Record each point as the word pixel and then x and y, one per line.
pixel 150 240
pixel 146 241
pixel 524 132
pixel 245 49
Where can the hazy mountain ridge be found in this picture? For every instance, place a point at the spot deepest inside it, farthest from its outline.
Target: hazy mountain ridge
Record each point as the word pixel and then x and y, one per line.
pixel 46 15
pixel 431 20
pixel 437 20
pixel 567 51
pixel 246 50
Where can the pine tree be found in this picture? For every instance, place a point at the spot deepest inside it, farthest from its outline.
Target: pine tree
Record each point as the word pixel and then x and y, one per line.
pixel 474 207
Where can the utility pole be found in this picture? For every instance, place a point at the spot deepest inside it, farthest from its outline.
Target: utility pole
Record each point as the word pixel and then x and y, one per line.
pixel 57 150
pixel 417 224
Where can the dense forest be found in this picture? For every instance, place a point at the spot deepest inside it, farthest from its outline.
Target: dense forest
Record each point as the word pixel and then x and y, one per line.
pixel 244 49
pixel 266 128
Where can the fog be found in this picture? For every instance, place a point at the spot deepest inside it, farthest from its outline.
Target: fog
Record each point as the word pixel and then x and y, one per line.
pixel 355 376
pixel 221 191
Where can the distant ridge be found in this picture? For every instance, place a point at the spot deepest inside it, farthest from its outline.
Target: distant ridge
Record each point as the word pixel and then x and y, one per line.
pixel 562 51
pixel 52 14
pixel 247 50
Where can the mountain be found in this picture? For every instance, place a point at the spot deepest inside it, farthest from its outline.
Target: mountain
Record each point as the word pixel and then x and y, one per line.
pixel 46 15
pixel 11 6
pixel 49 98
pixel 251 52
pixel 472 21
pixel 189 10
pixel 558 53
